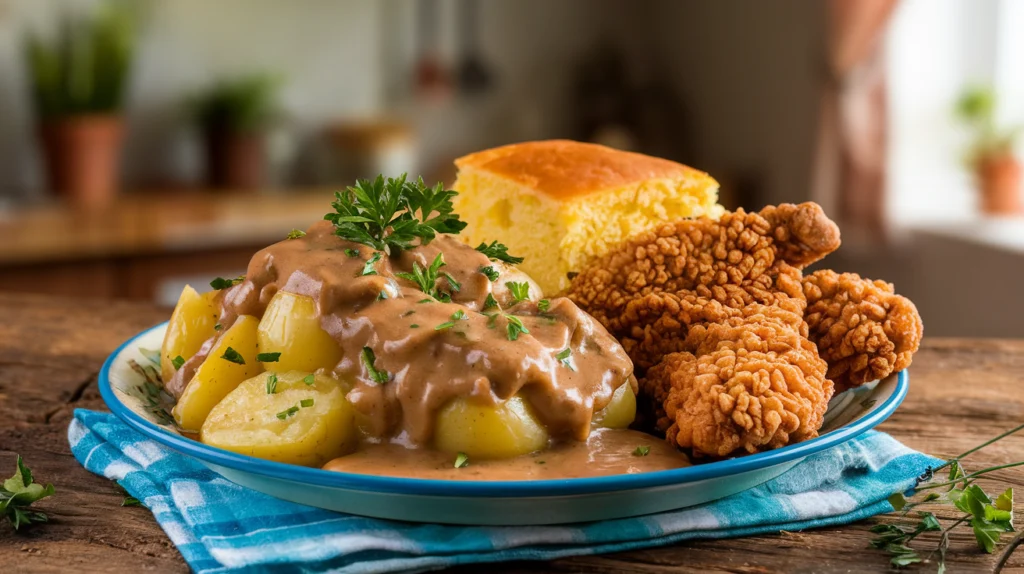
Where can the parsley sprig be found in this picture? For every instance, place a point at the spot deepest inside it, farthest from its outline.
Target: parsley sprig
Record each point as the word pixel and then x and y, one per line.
pixel 499 252
pixel 393 214
pixel 989 517
pixel 379 376
pixel 18 493
pixel 520 290
pixel 426 278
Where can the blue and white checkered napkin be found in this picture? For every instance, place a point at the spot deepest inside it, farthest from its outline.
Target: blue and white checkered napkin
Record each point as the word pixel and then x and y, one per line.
pixel 221 527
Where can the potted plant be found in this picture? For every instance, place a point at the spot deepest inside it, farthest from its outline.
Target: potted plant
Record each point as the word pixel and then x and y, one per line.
pixel 233 116
pixel 77 82
pixel 991 155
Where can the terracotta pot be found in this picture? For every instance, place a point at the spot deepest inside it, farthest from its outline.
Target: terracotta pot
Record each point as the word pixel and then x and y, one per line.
pixel 235 160
pixel 82 156
pixel 1000 178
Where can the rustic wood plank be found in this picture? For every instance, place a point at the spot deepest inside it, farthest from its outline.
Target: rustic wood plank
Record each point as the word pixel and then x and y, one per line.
pixel 962 391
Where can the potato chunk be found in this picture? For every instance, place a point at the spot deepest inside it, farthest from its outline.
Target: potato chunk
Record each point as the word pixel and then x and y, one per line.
pixel 300 423
pixel 218 375
pixel 620 412
pixel 291 327
pixel 191 325
pixel 489 431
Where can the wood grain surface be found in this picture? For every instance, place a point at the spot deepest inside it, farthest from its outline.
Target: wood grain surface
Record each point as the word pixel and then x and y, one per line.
pixel 962 392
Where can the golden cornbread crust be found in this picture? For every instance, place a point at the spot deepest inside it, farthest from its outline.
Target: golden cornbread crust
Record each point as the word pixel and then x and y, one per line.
pixel 564 169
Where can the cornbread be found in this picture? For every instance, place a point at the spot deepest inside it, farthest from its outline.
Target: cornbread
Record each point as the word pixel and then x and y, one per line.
pixel 561 203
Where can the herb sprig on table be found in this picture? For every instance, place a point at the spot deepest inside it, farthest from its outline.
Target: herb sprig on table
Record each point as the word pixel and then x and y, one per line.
pixel 18 493
pixel 988 516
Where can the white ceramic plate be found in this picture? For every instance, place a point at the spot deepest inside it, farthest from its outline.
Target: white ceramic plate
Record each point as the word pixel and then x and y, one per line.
pixel 143 406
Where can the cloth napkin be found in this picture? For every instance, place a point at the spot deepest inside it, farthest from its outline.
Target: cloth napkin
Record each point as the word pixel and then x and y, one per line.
pixel 221 527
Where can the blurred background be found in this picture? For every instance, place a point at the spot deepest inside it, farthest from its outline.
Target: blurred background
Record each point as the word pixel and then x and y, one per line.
pixel 148 144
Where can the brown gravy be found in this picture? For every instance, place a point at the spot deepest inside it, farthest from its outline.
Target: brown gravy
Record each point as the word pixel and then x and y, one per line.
pixel 428 366
pixel 606 452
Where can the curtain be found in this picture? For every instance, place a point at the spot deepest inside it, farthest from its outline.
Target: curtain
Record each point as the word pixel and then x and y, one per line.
pixel 849 167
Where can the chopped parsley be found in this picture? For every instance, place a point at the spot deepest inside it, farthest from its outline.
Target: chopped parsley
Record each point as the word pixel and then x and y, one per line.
pixel 498 251
pixel 421 301
pixel 352 252
pixel 642 451
pixel 218 327
pixel 565 357
pixel 368 267
pixel 221 283
pixel 233 356
pixel 445 325
pixel 309 379
pixel 515 327
pixel 492 319
pixel 414 326
pixel 379 376
pixel 520 291
pixel 296 233
pixel 461 460
pixel 271 384
pixel 393 214
pixel 490 301
pixel 306 403
pixel 287 413
pixel 407 313
pixel 459 315
pixel 382 295
pixel 426 278
pixel 544 305
pixel 490 272
pixel 178 362
pixel 268 357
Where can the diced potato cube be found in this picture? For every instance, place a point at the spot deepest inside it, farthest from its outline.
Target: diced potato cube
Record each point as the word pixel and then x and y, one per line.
pixel 489 431
pixel 620 412
pixel 191 325
pixel 291 327
pixel 219 375
pixel 300 423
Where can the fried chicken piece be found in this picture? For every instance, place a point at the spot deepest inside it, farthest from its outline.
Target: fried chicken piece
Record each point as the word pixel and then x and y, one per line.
pixel 863 330
pixel 740 259
pixel 752 382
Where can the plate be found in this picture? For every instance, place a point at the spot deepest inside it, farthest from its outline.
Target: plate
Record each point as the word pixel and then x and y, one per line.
pixel 126 383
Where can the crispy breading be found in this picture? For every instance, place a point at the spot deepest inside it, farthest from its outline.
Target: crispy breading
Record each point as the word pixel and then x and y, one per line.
pixel 863 330
pixel 740 259
pixel 749 383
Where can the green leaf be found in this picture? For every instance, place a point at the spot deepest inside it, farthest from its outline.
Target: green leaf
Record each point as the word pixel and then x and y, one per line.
pixel 490 272
pixel 520 290
pixel 461 460
pixel 544 305
pixel 565 357
pixel 271 383
pixel 369 267
pixel 490 302
pixel 268 357
pixel 1000 517
pixel 233 356
pixel 19 491
pixel 379 376
pixel 309 379
pixel 515 327
pixel 986 533
pixel 221 283
pixel 1005 500
pixel 898 501
pixel 295 234
pixel 643 450
pixel 498 251
pixel 306 403
pixel 929 522
pixel 130 501
pixel 177 362
pixel 905 559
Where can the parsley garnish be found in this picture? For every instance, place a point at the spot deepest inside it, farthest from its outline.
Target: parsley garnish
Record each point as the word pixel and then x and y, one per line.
pixel 520 291
pixel 498 251
pixel 296 233
pixel 544 305
pixel 130 501
pixel 425 301
pixel 177 362
pixel 515 327
pixel 565 357
pixel 390 215
pixel 18 492
pixel 490 272
pixel 378 376
pixel 461 460
pixel 217 327
pixel 490 301
pixel 445 325
pixel 352 252
pixel 426 278
pixel 309 379
pixel 221 283
pixel 287 413
pixel 271 384
pixel 306 403
pixel 268 357
pixel 382 295
pixel 368 267
pixel 233 356
pixel 455 285
pixel 414 326
pixel 459 315
pixel 642 451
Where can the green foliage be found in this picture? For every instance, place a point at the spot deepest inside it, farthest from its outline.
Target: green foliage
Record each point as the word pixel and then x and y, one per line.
pixel 976 107
pixel 85 68
pixel 18 493
pixel 243 104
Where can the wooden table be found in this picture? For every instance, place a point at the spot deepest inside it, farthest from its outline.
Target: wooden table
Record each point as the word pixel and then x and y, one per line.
pixel 962 392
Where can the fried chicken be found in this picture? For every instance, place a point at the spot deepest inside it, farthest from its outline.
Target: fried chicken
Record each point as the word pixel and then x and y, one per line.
pixel 863 330
pixel 740 259
pixel 749 383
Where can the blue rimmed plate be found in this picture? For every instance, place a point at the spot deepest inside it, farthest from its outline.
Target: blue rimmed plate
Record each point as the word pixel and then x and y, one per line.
pixel 126 385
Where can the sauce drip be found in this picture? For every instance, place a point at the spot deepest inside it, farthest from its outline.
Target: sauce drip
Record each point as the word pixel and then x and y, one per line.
pixel 429 366
pixel 606 452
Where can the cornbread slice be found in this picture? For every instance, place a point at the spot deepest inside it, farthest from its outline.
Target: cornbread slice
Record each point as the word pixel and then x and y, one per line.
pixel 560 203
